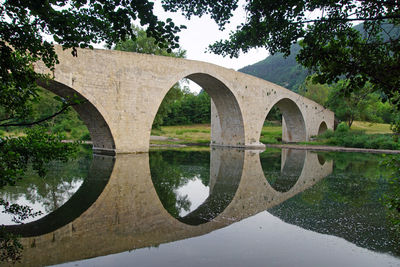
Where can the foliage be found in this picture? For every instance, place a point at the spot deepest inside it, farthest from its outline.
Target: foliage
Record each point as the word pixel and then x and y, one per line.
pixel 315 91
pixel 360 104
pixel 37 148
pixel 10 247
pixel 71 24
pixel 392 197
pixel 344 137
pixel 190 109
pixel 20 212
pixel 331 47
pixel 279 69
pixel 395 125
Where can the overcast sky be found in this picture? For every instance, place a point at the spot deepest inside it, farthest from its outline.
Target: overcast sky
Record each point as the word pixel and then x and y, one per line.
pixel 203 31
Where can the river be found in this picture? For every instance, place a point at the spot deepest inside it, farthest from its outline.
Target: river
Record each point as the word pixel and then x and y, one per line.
pixel 217 207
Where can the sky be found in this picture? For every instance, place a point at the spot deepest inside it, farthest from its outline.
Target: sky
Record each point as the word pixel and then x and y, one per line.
pixel 203 31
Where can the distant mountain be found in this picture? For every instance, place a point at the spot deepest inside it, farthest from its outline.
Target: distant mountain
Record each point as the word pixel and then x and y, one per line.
pixel 287 73
pixel 280 70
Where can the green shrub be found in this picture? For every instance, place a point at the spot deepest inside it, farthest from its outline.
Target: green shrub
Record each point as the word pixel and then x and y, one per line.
pixel 342 128
pixel 327 134
pixel 358 139
pixel 85 137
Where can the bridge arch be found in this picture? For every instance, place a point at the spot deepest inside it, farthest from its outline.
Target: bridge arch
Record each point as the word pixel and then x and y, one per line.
pixel 293 122
pixel 229 119
pixel 99 129
pixel 322 128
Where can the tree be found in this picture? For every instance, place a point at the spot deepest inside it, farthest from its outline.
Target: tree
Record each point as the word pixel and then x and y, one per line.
pixel 25 30
pixel 331 47
pixel 315 91
pixel 71 23
pixel 360 104
pixel 148 45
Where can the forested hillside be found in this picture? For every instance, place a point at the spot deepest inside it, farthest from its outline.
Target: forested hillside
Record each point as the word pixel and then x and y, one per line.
pixel 288 73
pixel 280 70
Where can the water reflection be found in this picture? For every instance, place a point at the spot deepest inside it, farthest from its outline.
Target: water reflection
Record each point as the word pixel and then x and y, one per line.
pixel 290 168
pixel 134 201
pixel 88 192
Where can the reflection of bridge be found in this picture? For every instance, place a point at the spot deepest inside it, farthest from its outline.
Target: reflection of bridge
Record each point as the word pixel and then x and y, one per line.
pixel 128 214
pixel 124 90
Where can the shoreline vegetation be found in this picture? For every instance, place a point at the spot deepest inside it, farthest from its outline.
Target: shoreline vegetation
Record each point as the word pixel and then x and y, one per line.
pixel 363 137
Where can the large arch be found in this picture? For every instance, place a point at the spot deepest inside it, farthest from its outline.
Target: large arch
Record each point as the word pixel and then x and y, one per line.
pixel 100 133
pixel 230 130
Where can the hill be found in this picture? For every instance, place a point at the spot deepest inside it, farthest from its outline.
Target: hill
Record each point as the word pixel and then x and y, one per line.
pixel 287 73
pixel 280 70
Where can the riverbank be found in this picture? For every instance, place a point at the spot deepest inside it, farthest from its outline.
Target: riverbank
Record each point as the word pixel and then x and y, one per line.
pixel 334 148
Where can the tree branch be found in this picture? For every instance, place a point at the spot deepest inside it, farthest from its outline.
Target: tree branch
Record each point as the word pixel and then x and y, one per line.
pixel 350 19
pixel 40 120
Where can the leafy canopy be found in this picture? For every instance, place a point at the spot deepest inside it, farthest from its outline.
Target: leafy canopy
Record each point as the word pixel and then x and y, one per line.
pixel 331 47
pixel 70 23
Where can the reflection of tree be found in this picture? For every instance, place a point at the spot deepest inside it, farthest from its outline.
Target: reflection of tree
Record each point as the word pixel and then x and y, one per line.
pixel 392 196
pixel 171 170
pixel 347 204
pixel 271 165
pixel 59 184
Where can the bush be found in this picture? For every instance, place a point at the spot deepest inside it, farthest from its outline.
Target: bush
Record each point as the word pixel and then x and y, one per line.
pixel 327 134
pixel 342 128
pixel 85 137
pixel 343 137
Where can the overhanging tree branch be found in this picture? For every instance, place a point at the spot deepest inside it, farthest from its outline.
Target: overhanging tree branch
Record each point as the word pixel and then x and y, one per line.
pixel 41 120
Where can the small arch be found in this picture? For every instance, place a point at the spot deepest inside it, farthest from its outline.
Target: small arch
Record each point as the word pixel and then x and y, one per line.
pixel 293 124
pixel 100 133
pixel 322 128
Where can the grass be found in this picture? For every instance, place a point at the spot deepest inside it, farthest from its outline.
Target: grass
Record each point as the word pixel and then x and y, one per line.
pixel 193 134
pixel 271 133
pixel 371 128
pixel 201 133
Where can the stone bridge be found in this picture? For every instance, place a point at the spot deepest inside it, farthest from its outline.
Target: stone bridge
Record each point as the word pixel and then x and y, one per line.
pixel 117 208
pixel 124 91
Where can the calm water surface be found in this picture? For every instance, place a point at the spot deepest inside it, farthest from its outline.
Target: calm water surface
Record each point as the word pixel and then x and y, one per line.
pixel 221 207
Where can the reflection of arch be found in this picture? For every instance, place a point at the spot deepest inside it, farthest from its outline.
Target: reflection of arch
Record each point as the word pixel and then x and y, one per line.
pixel 321 159
pixel 292 121
pixel 230 120
pixel 224 182
pixel 98 128
pixel 292 163
pixel 93 185
pixel 226 167
pixel 322 128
